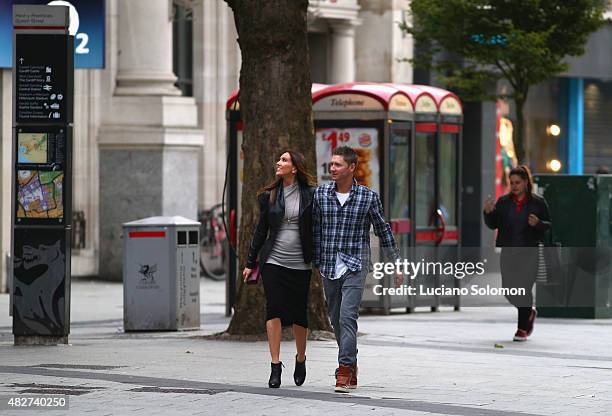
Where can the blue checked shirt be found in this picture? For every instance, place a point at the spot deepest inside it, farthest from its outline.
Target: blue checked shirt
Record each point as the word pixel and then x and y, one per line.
pixel 344 230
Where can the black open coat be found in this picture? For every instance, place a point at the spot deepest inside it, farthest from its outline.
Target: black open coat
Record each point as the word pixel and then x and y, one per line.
pixel 497 219
pixel 271 215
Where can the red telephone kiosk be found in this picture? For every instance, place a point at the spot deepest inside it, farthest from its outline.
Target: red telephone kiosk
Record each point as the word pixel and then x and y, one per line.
pixel 408 141
pixel 437 181
pixel 363 116
pixel 407 155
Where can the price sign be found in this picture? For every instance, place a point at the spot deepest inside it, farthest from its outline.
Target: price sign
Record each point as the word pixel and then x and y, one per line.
pixel 363 140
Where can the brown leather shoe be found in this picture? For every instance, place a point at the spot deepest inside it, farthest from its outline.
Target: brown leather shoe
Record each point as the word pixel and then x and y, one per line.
pixel 343 380
pixel 353 380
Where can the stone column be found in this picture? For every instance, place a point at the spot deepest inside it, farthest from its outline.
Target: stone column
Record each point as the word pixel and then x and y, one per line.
pixel 149 139
pixel 216 62
pixel 6 162
pixel 342 52
pixel 383 47
pixel 145 48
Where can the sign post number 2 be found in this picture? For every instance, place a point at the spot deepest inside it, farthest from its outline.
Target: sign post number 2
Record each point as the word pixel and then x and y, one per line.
pixel 43 73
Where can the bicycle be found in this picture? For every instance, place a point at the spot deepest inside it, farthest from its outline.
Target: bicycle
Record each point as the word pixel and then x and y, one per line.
pixel 213 243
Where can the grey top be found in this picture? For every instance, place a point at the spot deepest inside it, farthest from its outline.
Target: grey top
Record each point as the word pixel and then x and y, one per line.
pixel 287 249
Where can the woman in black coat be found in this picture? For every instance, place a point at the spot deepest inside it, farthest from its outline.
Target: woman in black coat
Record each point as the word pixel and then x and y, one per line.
pixel 521 219
pixel 283 240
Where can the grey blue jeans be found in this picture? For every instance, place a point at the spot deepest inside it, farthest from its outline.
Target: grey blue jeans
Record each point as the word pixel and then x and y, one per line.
pixel 343 297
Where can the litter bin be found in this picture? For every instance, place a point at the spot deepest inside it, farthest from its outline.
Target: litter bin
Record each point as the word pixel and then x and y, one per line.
pixel 161 274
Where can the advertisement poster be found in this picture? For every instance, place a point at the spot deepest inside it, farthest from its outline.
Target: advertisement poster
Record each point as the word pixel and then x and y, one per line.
pixel 364 140
pixel 505 158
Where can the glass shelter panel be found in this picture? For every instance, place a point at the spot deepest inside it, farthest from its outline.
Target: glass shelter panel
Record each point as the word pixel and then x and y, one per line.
pixel 447 170
pixel 399 184
pixel 425 178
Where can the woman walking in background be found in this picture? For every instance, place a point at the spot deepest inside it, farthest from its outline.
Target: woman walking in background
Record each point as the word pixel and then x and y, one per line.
pixel 521 219
pixel 283 240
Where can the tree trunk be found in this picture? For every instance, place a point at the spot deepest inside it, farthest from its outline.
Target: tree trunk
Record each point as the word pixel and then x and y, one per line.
pixel 519 143
pixel 276 108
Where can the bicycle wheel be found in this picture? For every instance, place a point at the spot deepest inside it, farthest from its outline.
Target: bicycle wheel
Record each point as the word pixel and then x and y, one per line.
pixel 212 264
pixel 213 246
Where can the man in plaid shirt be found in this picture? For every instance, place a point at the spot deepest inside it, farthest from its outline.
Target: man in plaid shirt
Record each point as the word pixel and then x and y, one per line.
pixel 342 214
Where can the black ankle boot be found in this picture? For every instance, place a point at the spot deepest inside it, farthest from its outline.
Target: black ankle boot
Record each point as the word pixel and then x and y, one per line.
pixel 275 375
pixel 299 375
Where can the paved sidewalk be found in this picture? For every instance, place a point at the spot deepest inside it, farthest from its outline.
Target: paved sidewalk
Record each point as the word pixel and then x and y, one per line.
pixel 424 363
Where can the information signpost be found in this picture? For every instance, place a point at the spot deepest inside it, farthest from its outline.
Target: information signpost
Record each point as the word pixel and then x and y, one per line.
pixel 43 71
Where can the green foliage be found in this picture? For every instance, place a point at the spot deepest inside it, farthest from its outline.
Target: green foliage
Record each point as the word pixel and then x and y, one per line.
pixel 471 44
pixel 522 41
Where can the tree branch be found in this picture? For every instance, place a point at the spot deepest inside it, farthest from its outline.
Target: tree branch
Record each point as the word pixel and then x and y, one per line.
pixel 507 73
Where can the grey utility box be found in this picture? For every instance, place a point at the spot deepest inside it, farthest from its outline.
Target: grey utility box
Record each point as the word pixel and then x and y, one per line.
pixel 161 274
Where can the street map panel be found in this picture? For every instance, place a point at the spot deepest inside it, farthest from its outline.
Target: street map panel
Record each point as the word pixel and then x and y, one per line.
pixel 32 147
pixel 39 194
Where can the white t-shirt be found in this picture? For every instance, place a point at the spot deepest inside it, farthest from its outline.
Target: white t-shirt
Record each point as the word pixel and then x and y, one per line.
pixel 342 197
pixel 341 267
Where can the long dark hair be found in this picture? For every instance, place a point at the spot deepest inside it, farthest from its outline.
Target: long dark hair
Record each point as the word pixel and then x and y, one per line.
pixel 303 177
pixel 523 172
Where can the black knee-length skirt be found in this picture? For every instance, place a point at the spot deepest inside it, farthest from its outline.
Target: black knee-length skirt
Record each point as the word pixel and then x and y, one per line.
pixel 286 294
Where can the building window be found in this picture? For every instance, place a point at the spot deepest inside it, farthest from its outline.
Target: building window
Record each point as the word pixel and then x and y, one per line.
pixel 317 47
pixel 182 46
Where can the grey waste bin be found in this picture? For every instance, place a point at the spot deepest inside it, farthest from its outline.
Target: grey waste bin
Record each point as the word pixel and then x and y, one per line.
pixel 161 274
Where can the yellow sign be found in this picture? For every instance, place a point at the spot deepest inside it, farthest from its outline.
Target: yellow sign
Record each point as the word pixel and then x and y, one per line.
pixel 450 105
pixel 426 104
